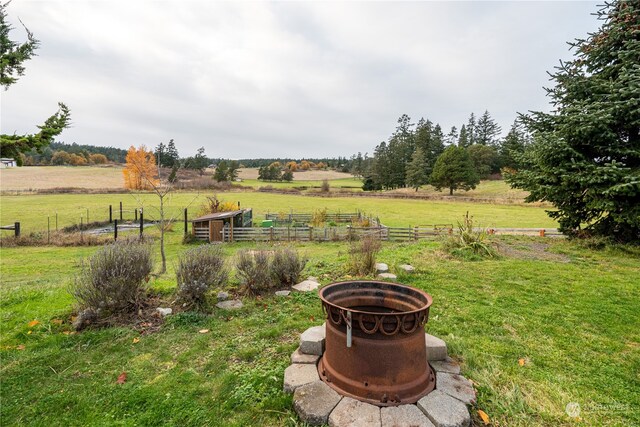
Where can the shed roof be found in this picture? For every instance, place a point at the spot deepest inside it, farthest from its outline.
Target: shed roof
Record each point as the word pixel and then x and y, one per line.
pixel 219 215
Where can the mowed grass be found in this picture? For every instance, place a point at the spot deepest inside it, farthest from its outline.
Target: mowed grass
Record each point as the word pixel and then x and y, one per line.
pixel 574 322
pixel 32 210
pixel 46 177
pixel 353 184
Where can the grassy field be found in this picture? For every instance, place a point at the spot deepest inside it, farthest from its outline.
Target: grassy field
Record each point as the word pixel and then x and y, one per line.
pixel 48 177
pixel 352 183
pixel 32 210
pixel 572 317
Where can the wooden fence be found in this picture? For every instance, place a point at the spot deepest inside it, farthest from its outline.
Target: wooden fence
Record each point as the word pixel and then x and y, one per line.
pixel 327 234
pixel 305 218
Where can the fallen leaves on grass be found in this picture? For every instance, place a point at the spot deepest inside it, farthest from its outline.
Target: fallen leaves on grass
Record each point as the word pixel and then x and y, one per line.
pixel 204 331
pixel 122 378
pixel 521 362
pixel 483 415
pixel 136 340
pixel 56 321
pixel 20 347
pixel 33 323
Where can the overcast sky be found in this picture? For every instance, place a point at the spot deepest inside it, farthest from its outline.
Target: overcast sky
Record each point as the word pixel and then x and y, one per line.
pixel 282 79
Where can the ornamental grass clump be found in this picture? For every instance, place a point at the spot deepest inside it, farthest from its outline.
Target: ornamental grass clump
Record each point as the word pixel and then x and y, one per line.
pixel 199 270
pixel 112 281
pixel 363 254
pixel 469 241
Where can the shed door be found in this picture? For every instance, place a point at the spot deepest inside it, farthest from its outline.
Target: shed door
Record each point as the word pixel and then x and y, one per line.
pixel 215 231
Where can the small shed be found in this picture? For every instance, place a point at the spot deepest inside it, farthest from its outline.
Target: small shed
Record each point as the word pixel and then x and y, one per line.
pixel 7 163
pixel 210 227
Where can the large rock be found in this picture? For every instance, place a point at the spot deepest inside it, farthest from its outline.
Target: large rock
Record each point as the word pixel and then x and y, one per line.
pixel 456 386
pixel 389 276
pixel 314 402
pixel 381 267
pixel 436 348
pixel 299 357
pixel 444 411
pixel 404 416
pixel 353 413
pixel 448 365
pixel 164 311
pixel 306 286
pixel 284 293
pixel 223 296
pixel 312 341
pixel 298 375
pixel 231 304
pixel 406 268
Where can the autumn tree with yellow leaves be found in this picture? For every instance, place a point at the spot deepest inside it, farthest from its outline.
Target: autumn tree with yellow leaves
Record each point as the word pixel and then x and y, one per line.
pixel 140 171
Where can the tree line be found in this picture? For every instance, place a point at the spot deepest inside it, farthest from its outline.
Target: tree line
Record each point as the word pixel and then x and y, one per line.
pixel 421 153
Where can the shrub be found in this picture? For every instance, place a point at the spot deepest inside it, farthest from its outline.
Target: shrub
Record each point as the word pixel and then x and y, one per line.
pixel 286 266
pixel 213 205
pixel 112 280
pixel 362 255
pixel 319 217
pixel 199 270
pixel 253 268
pixel 325 186
pixel 469 240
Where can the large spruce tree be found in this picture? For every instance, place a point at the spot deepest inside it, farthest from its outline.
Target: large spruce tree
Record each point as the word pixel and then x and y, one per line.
pixel 12 57
pixel 585 158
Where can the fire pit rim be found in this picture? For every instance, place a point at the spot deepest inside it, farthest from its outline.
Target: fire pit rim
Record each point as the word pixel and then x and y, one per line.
pixel 377 282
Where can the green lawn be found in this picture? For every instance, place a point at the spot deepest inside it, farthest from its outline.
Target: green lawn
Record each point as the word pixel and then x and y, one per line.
pixel 32 210
pixel 573 320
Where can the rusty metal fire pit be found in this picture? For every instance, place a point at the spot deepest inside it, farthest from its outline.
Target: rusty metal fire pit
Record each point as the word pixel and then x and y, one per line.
pixel 375 342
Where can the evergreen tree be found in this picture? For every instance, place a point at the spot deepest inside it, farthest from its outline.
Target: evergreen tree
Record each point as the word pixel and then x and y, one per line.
pixel 585 158
pixel 221 172
pixel 380 172
pixel 487 130
pixel 417 170
pixel 173 157
pixel 454 170
pixel 463 139
pixel 471 130
pixel 452 136
pixel 485 159
pixel 12 57
pixel 160 153
pixel 232 171
pixel 513 146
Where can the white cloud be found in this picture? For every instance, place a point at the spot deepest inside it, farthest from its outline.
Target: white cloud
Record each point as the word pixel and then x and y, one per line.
pixel 282 79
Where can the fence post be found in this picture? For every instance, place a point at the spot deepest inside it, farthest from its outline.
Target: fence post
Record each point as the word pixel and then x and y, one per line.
pixel 542 232
pixel 141 223
pixel 16 229
pixel 135 215
pixel 87 216
pixel 415 233
pixel 349 236
pixel 186 221
pixel 110 215
pixel 115 230
pixel 271 234
pixel 56 221
pixel 48 230
pixel 81 229
pixel 120 211
pixel 310 233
